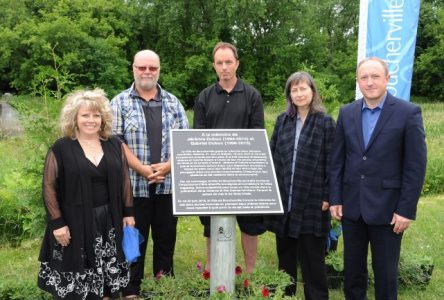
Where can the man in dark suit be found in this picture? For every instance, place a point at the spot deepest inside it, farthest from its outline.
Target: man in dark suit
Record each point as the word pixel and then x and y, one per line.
pixel 377 172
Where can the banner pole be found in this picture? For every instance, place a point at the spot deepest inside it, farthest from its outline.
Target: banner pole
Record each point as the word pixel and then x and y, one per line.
pixel 223 253
pixel 362 38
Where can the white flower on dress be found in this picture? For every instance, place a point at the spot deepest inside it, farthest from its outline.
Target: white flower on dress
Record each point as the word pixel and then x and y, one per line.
pixel 107 272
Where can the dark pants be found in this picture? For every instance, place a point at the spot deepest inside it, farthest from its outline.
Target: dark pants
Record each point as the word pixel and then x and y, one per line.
pixel 385 248
pixel 311 251
pixel 155 212
pixel 251 225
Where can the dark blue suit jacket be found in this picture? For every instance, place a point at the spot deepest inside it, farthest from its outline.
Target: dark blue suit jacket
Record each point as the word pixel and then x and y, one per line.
pixel 387 176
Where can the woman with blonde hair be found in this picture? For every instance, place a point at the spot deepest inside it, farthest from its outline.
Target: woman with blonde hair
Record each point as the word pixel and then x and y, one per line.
pixel 88 200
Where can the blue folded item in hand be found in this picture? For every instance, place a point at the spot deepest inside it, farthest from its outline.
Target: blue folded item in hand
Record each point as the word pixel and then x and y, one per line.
pixel 131 241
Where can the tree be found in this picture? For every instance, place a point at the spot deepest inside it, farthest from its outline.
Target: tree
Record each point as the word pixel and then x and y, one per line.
pixel 428 78
pixel 86 37
pixel 64 44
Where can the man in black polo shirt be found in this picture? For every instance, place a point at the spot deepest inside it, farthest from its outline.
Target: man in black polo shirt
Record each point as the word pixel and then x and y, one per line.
pixel 230 103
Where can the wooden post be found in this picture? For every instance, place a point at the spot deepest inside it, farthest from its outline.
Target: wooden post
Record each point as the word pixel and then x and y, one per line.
pixel 223 253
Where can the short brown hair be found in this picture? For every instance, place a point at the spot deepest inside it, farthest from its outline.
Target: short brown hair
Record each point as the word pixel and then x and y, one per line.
pixel 93 99
pixel 374 58
pixel 225 45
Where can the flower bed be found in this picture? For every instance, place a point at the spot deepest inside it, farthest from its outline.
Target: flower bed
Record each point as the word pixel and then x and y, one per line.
pixel 262 283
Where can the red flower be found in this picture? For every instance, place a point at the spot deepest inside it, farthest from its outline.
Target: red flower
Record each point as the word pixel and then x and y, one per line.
pixel 246 283
pixel 221 289
pixel 199 266
pixel 206 274
pixel 238 270
pixel 265 292
pixel 159 274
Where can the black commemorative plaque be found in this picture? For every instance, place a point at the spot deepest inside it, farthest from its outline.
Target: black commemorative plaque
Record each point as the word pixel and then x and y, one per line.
pixel 223 172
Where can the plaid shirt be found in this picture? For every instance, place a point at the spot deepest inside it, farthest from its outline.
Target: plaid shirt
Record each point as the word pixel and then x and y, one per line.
pixel 129 125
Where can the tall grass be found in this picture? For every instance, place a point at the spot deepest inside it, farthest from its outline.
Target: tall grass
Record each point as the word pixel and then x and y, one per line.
pixel 433 115
pixel 21 211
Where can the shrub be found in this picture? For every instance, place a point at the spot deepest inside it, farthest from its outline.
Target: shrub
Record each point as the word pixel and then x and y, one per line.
pixel 22 213
pixel 415 270
pixel 22 291
pixel 335 260
pixel 335 269
pixel 262 283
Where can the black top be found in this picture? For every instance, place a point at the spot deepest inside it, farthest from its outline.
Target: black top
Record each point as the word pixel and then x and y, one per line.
pixel 99 182
pixel 153 118
pixel 240 108
pixel 69 200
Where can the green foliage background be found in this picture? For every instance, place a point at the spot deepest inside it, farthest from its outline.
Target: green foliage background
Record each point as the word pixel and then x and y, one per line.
pixel 50 47
pixel 66 44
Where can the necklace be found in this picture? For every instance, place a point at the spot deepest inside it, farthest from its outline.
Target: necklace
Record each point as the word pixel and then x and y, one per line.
pixel 91 144
pixel 92 149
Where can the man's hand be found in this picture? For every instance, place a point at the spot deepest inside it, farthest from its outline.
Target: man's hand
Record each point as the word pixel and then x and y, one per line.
pixel 135 164
pixel 401 223
pixel 160 170
pixel 336 212
pixel 146 171
pixel 62 236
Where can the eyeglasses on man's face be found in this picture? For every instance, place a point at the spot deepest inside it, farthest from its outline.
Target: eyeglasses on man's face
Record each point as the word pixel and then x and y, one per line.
pixel 144 68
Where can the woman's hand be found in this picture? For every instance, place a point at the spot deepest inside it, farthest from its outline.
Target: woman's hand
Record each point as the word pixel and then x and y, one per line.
pixel 325 205
pixel 160 171
pixel 129 221
pixel 62 236
pixel 336 212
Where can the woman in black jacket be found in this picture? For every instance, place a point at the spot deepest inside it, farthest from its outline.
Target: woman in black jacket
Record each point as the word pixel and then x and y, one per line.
pixel 300 146
pixel 88 200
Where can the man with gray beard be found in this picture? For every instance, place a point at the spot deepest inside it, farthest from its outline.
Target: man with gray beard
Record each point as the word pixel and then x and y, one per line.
pixel 144 114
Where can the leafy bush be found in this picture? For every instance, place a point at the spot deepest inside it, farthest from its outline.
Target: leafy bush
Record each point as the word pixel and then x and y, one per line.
pixel 195 283
pixel 22 291
pixel 335 260
pixel 428 75
pixel 415 270
pixel 335 269
pixel 22 213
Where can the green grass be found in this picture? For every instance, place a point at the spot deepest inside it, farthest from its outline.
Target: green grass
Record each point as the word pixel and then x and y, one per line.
pixel 433 115
pixel 10 158
pixel 19 266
